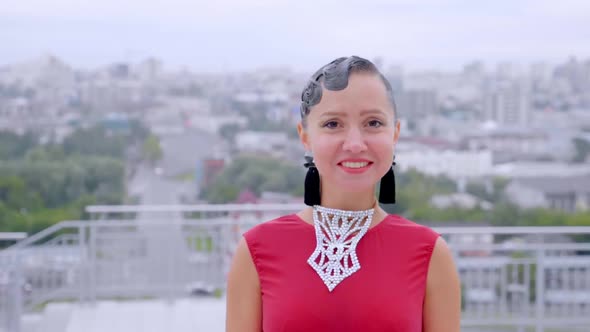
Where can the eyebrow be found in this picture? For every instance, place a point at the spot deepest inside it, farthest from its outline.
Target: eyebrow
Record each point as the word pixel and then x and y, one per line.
pixel 364 112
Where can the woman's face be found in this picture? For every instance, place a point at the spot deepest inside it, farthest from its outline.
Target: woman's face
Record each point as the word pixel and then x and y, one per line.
pixel 351 134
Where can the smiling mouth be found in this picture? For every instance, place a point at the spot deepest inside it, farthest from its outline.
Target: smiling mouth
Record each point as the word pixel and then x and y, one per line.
pixel 355 164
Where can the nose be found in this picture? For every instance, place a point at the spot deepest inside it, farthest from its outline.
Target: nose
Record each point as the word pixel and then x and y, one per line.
pixel 354 141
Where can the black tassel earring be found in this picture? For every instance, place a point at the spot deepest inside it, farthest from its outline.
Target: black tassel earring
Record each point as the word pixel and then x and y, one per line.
pixel 387 189
pixel 311 196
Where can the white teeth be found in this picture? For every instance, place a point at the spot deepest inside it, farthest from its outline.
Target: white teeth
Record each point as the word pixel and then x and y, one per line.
pixel 348 164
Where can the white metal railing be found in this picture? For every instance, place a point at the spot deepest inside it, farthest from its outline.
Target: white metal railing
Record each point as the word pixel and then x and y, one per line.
pixel 177 251
pixel 12 236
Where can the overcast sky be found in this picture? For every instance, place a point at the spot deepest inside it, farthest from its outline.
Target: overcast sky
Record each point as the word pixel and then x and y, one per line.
pixel 221 35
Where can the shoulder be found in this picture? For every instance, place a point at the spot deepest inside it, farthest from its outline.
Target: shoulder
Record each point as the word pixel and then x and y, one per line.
pixel 442 305
pixel 243 292
pixel 409 239
pixel 442 261
pixel 274 230
pixel 410 229
pixel 272 227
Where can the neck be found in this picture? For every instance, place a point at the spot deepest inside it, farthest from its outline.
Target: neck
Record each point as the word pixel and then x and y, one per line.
pixel 351 201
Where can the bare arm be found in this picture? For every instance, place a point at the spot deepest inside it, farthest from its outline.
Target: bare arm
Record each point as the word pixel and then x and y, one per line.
pixel 243 307
pixel 442 306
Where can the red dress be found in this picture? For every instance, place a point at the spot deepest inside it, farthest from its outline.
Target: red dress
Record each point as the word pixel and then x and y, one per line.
pixel 386 294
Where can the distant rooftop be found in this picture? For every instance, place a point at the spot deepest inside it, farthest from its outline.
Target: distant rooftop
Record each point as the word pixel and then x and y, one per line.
pixel 558 184
pixel 540 169
pixel 429 141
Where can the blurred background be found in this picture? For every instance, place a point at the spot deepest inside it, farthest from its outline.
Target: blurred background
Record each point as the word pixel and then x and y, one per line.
pixel 139 139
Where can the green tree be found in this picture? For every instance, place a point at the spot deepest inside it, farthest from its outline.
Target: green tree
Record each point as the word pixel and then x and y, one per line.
pixel 222 192
pixel 44 184
pixel 60 182
pixel 152 151
pixel 39 153
pixel 257 174
pixel 14 194
pixel 228 132
pixel 13 146
pixel 495 195
pixel 95 141
pixel 424 185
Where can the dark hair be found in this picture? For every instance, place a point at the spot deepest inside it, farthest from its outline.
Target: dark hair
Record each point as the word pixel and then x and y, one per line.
pixel 334 77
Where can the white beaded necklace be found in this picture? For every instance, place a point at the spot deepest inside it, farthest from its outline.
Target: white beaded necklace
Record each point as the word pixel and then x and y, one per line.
pixel 337 234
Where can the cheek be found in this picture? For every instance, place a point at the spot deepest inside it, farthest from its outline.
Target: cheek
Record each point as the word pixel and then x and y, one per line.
pixel 382 147
pixel 385 149
pixel 381 142
pixel 323 150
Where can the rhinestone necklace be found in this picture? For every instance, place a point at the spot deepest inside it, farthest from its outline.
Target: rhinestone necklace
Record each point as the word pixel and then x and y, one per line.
pixel 337 234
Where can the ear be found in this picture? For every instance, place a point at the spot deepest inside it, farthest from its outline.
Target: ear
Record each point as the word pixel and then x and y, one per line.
pixel 396 134
pixel 303 136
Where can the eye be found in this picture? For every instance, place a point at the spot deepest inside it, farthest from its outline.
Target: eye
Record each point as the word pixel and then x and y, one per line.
pixel 375 123
pixel 330 124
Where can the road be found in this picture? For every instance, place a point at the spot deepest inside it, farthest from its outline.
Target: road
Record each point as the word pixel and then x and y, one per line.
pixel 165 238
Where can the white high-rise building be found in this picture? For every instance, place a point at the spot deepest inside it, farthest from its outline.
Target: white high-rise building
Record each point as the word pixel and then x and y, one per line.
pixel 508 103
pixel 417 104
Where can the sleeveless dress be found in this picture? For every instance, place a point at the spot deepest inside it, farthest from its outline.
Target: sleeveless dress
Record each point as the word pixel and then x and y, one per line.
pixel 386 294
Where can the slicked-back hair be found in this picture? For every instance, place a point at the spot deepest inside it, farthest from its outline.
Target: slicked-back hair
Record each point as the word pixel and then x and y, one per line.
pixel 334 77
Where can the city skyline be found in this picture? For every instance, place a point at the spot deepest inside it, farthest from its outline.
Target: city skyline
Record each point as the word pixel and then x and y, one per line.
pixel 234 36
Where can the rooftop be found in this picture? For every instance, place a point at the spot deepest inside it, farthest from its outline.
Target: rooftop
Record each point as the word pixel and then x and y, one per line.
pixel 556 184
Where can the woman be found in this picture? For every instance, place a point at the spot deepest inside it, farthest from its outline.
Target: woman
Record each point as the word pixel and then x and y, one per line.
pixel 343 263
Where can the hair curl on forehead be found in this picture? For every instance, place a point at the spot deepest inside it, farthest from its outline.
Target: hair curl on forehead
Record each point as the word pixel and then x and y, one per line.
pixel 334 77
